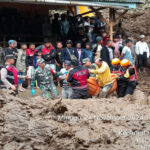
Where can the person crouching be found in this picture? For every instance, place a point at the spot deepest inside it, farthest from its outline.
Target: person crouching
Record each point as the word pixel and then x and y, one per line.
pixel 9 74
pixel 130 76
pixel 78 78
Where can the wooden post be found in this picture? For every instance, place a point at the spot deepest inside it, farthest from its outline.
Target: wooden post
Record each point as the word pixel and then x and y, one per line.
pixel 111 22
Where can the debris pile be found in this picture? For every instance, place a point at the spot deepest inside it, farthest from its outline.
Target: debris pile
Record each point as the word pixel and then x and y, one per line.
pixel 113 124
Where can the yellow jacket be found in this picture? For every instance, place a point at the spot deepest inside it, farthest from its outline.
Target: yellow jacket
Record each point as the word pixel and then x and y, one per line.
pixel 103 75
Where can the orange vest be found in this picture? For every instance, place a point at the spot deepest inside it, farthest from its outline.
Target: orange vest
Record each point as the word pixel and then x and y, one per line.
pixel 134 76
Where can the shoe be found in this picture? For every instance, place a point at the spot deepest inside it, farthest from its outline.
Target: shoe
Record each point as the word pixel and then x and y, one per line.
pixel 21 90
pixel 29 87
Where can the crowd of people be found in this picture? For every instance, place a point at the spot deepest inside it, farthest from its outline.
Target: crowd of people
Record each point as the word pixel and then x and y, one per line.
pixel 71 63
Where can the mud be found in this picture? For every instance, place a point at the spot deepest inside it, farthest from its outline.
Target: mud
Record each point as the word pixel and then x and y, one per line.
pixel 93 124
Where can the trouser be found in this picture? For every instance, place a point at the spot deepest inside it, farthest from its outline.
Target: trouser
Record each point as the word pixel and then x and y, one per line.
pixel 80 94
pixel 49 91
pixel 105 90
pixel 122 85
pixel 66 92
pixel 131 86
pixel 142 60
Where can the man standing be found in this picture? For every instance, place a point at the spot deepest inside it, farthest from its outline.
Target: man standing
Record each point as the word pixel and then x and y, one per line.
pixel 44 73
pixel 81 52
pixel 69 53
pixel 58 60
pixel 126 52
pixel 12 50
pixel 29 62
pixel 48 52
pixel 142 51
pixel 105 55
pixel 103 75
pixel 98 47
pixel 78 78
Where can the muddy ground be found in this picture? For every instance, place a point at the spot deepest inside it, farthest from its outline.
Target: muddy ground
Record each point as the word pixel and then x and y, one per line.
pixel 93 124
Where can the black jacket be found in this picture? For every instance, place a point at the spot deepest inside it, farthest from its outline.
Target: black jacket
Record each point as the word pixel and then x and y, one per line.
pixel 78 77
pixel 105 55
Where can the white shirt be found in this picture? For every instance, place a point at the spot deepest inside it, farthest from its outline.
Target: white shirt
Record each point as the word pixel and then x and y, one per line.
pixel 110 53
pixel 142 47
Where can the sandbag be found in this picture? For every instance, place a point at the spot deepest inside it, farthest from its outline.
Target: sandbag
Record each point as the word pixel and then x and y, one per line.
pixel 94 88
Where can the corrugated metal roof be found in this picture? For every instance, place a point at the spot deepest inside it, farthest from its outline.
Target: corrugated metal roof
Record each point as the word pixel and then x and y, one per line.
pixel 115 1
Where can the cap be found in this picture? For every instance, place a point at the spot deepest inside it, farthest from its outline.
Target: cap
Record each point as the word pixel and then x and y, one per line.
pixel 67 62
pixel 40 61
pixel 69 42
pixel 85 60
pixel 142 36
pixel 99 38
pixel 10 57
pixel 10 42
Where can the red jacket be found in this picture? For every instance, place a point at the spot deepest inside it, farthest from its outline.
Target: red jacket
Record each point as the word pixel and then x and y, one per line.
pixel 46 50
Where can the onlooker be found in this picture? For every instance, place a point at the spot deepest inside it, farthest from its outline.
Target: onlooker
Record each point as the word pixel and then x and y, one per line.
pixel 2 57
pixel 116 46
pixel 29 62
pixel 105 53
pixel 126 52
pixel 21 65
pixel 69 53
pixel 105 38
pixel 89 53
pixel 59 50
pixel 142 51
pixel 81 52
pixel 98 47
pixel 11 50
pixel 46 51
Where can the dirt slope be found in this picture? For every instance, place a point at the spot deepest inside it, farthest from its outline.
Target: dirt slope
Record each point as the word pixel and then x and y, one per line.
pixel 94 124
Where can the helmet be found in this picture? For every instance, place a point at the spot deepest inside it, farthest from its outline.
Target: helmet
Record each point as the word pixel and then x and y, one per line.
pixel 115 61
pixel 125 63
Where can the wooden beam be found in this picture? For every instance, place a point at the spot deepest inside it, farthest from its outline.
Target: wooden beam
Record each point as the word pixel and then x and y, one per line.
pixel 95 10
pixel 100 15
pixel 120 16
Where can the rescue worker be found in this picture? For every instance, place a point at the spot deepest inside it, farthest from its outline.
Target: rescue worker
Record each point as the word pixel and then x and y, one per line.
pixel 45 75
pixel 9 74
pixel 118 70
pixel 103 76
pixel 78 78
pixel 130 76
pixel 88 64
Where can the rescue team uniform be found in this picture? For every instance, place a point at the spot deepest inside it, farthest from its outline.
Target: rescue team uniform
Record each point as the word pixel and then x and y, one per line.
pixel 121 83
pixel 9 76
pixel 46 83
pixel 29 62
pixel 130 81
pixel 104 78
pixel 78 79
